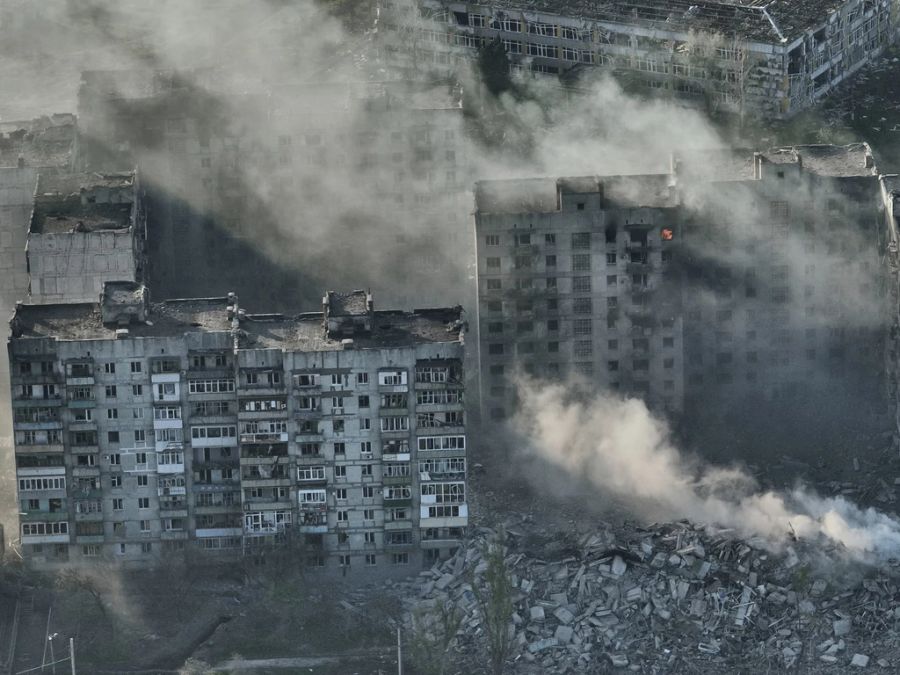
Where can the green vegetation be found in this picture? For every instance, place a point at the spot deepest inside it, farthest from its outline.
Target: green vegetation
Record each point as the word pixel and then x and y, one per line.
pixel 433 634
pixel 494 592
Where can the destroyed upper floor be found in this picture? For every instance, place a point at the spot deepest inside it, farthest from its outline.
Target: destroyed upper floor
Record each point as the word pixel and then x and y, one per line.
pixel 690 169
pixel 761 21
pixel 125 306
pixel 84 202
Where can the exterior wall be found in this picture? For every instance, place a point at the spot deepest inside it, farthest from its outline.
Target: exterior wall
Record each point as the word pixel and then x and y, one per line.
pixel 550 311
pixel 799 320
pixel 73 266
pixel 770 299
pixel 722 73
pixel 890 190
pixel 374 416
pixel 135 449
pixel 16 196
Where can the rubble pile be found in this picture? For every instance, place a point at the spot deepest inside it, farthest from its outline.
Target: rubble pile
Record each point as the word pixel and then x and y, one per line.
pixel 660 599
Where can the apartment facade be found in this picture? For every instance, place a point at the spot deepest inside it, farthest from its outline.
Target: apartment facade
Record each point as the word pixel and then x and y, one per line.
pixel 574 280
pixel 770 60
pixel 190 427
pixel 737 278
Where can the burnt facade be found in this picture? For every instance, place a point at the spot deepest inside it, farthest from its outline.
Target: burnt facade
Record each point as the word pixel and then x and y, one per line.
pixel 738 277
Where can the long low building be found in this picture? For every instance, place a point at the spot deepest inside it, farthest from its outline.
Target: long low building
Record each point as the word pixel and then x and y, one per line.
pixel 771 59
pixel 145 430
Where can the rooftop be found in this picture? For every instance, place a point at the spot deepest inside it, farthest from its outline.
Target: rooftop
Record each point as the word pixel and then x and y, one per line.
pixel 540 195
pixel 828 161
pixel 302 332
pixel 305 332
pixel 82 321
pixel 766 21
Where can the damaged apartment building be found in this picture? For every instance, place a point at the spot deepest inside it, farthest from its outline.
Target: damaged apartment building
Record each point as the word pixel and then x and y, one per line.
pixel 86 229
pixel 225 167
pixel 736 276
pixel 770 59
pixel 144 430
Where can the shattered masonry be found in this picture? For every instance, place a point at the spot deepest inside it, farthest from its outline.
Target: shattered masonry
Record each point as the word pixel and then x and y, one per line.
pixel 667 598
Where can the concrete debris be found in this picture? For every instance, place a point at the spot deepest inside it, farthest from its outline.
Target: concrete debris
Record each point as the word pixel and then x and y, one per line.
pixel 668 598
pixel 841 627
pixel 859 660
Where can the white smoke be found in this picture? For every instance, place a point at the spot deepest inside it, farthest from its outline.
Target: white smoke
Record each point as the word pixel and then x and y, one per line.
pixel 625 451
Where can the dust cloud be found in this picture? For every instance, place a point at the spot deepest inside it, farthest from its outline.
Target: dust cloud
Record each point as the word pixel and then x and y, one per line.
pixel 627 452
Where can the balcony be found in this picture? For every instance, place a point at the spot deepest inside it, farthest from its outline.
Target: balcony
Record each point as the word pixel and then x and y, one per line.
pixel 313 518
pixel 453 382
pixel 398 525
pixel 225 485
pixel 43 516
pixel 266 482
pixel 93 516
pixel 444 521
pixel 89 493
pixel 168 467
pixel 85 471
pixel 84 381
pixel 265 437
pixel 89 538
pixel 202 533
pixel 397 480
pixel 40 425
pixel 440 543
pixel 261 390
pixel 171 491
pixel 175 423
pixel 251 415
pixel 45 539
pixel 38 448
pixel 82 403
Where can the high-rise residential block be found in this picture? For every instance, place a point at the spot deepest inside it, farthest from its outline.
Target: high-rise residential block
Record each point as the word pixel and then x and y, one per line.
pixel 145 430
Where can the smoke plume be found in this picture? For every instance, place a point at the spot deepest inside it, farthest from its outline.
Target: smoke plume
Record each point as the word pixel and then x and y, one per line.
pixel 624 450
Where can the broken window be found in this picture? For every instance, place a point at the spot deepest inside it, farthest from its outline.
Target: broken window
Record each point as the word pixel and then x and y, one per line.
pixel 581 240
pixel 581 262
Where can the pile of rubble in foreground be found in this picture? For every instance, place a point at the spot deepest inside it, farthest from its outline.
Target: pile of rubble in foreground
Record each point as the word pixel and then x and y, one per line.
pixel 674 598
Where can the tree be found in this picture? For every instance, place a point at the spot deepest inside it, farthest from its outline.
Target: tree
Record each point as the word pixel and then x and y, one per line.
pixel 433 633
pixel 493 593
